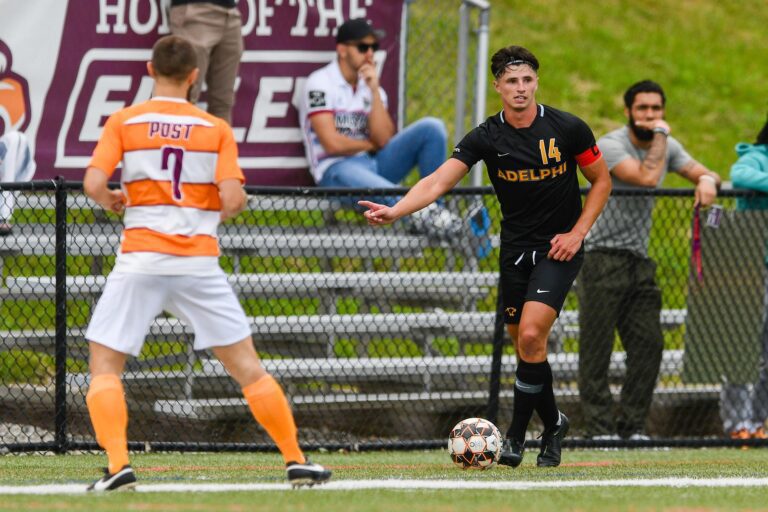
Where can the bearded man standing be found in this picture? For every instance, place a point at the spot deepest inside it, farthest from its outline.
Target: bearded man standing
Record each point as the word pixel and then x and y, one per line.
pixel 617 286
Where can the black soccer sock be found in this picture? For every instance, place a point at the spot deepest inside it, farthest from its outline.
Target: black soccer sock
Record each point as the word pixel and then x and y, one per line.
pixel 529 384
pixel 546 406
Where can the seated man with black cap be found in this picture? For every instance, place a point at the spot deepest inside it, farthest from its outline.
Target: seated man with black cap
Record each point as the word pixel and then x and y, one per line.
pixel 351 141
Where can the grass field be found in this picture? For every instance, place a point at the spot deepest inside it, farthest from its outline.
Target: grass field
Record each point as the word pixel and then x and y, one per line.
pixel 633 480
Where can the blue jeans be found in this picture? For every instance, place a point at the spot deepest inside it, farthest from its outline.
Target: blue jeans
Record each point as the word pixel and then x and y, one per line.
pixel 422 144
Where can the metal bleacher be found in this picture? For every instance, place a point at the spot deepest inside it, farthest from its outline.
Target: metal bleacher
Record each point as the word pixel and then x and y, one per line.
pixel 442 303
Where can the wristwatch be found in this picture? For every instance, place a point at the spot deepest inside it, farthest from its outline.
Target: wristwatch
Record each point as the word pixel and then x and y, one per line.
pixel 662 130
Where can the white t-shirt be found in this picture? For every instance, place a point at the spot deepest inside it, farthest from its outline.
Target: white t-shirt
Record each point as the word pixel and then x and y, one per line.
pixel 326 90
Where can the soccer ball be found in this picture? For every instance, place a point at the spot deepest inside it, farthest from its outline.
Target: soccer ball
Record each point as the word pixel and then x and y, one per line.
pixel 475 443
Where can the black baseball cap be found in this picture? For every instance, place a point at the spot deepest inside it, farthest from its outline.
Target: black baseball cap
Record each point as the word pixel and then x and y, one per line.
pixel 356 29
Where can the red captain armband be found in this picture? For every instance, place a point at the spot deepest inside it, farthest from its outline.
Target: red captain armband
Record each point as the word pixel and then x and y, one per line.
pixel 589 156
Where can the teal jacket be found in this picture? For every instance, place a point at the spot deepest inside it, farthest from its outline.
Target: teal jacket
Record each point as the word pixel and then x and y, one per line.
pixel 751 171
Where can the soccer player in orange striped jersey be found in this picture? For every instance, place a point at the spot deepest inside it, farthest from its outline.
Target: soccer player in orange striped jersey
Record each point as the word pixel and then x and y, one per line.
pixel 180 178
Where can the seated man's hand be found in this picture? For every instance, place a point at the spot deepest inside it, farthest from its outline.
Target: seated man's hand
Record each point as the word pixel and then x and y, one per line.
pixel 373 147
pixel 368 73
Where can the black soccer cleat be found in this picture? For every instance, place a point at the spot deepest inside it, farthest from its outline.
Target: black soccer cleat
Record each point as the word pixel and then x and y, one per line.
pixel 551 440
pixel 123 480
pixel 512 452
pixel 307 474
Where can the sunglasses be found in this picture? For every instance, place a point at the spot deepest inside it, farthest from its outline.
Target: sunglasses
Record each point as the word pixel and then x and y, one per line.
pixel 364 47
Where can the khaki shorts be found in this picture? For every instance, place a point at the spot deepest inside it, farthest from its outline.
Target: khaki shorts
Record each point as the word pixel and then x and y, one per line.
pixel 131 302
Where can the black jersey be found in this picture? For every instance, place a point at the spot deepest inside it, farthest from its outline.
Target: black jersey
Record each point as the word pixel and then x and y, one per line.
pixel 533 171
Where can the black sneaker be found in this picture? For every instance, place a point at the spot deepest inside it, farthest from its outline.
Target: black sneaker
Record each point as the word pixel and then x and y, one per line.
pixel 5 228
pixel 549 456
pixel 123 480
pixel 306 474
pixel 512 452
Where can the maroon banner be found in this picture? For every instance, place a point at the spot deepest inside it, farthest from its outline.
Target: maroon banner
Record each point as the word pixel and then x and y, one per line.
pixel 101 68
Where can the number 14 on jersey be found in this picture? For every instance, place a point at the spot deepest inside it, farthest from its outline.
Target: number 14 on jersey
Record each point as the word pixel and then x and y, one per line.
pixel 552 152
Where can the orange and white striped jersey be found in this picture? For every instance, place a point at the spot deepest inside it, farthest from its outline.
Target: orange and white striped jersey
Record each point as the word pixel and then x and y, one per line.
pixel 173 156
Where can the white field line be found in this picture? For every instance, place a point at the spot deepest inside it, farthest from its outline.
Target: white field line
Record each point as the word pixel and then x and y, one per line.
pixel 454 485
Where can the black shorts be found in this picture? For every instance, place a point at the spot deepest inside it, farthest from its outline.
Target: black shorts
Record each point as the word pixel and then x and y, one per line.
pixel 531 276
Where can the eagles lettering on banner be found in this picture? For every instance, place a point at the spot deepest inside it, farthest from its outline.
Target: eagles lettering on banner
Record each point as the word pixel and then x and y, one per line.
pixel 100 68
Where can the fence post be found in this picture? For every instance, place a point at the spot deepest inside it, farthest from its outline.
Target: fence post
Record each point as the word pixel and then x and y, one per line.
pixel 498 347
pixel 476 173
pixel 461 74
pixel 481 74
pixel 60 400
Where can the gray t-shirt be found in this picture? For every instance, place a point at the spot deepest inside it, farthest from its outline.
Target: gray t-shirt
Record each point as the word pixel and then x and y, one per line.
pixel 625 223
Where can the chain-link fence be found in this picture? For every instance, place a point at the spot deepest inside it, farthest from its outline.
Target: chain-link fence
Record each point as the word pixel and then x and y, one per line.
pixel 441 63
pixel 380 336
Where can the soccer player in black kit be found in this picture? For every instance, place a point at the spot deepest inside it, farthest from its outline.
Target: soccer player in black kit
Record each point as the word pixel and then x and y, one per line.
pixel 531 152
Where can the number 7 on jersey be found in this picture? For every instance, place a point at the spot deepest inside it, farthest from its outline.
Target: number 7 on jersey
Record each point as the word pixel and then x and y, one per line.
pixel 178 157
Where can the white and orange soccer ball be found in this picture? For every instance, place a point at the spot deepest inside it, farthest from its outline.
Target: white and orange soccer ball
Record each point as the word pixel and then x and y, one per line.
pixel 475 443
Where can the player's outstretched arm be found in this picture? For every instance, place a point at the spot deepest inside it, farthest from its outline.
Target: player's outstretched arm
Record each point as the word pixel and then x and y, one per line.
pixel 425 192
pixel 95 186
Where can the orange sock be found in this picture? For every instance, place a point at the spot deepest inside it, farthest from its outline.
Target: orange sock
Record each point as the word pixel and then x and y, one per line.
pixel 269 406
pixel 109 416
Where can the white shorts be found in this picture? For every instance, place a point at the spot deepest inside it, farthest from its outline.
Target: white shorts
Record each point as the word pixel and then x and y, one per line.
pixel 131 302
